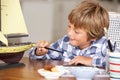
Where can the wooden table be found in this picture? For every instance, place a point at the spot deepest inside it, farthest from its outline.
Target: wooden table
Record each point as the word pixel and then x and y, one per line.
pixel 29 71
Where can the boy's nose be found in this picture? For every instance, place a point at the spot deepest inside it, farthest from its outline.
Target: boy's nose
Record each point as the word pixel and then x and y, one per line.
pixel 70 32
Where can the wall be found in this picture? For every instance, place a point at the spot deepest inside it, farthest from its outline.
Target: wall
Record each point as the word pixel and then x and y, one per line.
pixel 47 19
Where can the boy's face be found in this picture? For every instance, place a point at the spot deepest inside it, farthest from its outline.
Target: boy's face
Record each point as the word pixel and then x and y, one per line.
pixel 77 37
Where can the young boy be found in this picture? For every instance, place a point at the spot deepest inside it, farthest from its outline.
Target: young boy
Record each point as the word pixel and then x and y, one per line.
pixel 85 42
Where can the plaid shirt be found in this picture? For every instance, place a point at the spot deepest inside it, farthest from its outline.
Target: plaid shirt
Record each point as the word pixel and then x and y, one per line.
pixel 97 50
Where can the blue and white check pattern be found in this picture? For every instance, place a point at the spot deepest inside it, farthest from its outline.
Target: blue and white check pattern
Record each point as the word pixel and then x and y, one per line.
pixel 97 51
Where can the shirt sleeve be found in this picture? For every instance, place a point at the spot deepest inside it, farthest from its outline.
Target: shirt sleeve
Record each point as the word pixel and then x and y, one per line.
pixel 100 58
pixel 99 62
pixel 32 54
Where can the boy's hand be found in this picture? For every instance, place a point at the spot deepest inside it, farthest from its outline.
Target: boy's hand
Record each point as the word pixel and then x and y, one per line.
pixel 41 50
pixel 81 60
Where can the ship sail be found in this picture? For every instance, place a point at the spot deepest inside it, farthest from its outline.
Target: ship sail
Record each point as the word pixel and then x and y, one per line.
pixel 3 39
pixel 12 20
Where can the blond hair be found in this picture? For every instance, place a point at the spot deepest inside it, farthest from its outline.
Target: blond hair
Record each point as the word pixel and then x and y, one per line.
pixel 91 17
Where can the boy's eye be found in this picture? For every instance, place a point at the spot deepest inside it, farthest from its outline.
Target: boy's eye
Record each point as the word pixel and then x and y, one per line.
pixel 77 32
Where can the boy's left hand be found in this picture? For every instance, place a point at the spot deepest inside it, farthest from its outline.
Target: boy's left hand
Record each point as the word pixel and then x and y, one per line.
pixel 81 60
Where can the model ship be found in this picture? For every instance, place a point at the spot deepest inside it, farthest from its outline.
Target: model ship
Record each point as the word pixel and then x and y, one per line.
pixel 12 26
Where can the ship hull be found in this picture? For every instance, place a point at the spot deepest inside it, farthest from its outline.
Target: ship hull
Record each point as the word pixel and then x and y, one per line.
pixel 10 58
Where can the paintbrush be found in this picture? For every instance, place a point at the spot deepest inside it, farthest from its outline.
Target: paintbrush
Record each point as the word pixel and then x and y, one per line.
pixel 47 48
pixel 108 40
pixel 53 50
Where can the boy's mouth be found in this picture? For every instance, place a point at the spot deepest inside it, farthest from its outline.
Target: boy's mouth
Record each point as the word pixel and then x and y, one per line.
pixel 72 39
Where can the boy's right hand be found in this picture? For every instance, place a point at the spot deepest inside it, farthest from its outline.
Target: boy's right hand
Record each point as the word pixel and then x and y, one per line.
pixel 41 50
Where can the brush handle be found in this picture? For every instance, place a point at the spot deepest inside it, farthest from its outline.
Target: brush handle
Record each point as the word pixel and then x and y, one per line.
pixel 110 46
pixel 53 50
